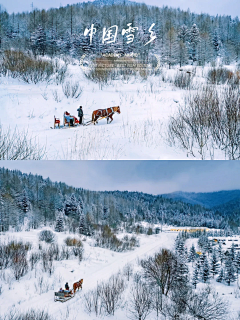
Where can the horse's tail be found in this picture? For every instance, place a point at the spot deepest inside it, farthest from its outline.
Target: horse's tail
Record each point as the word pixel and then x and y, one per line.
pixel 93 118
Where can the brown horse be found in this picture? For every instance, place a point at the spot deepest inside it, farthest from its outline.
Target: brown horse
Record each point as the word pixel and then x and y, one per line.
pixel 77 285
pixel 105 113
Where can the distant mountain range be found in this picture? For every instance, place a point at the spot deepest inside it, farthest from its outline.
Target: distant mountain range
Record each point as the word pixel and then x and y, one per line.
pixel 216 200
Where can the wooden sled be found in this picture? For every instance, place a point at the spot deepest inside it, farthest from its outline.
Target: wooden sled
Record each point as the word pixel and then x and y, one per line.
pixel 63 296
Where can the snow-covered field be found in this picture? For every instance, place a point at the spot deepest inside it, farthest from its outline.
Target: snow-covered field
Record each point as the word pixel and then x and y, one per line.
pixel 98 265
pixel 139 132
pixel 36 289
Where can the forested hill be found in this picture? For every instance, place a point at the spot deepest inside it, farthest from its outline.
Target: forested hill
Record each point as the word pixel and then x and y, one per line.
pixel 181 36
pixel 227 202
pixel 27 198
pixel 207 199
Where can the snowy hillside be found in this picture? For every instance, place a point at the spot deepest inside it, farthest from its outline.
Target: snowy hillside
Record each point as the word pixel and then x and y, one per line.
pixel 35 288
pixel 98 265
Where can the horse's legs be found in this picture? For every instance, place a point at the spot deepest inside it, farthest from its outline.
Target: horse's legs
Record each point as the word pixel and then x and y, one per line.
pixel 111 118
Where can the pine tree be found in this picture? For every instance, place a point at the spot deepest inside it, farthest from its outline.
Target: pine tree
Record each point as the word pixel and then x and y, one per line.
pixel 23 201
pixel 237 262
pixel 39 41
pixel 105 214
pixel 179 246
pixel 220 253
pixel 52 42
pixel 71 206
pixel 181 286
pixel 203 242
pixel 1 214
pixel 82 225
pixel 60 222
pixel 192 254
pixel 81 205
pixel 205 272
pixel 220 277
pixel 195 279
pixel 216 43
pixel 214 264
pixel 194 39
pixel 202 259
pixel 183 33
pixel 229 271
pixel 232 252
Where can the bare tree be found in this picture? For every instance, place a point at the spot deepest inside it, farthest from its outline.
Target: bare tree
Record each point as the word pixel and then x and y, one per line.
pixel 128 271
pixel 207 305
pixel 18 146
pixel 159 270
pixel 19 264
pixel 92 301
pixel 140 301
pixel 111 292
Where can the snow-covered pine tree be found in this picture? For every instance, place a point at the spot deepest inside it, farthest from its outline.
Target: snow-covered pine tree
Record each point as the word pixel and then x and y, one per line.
pixel 23 201
pixel 1 214
pixel 81 205
pixel 66 43
pixel 179 246
pixel 82 225
pixel 214 265
pixel 205 271
pixel 216 43
pixel 75 46
pixel 183 33
pixel 71 206
pixel 202 259
pixel 220 277
pixel 203 242
pixel 39 41
pixel 192 254
pixel 195 279
pixel 232 252
pixel 194 39
pixel 60 222
pixel 220 253
pixel 181 286
pixel 237 262
pixel 230 275
pixel 52 41
pixel 105 214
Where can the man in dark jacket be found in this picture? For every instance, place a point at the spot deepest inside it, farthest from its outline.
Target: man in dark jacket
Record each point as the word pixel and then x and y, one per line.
pixel 80 114
pixel 67 286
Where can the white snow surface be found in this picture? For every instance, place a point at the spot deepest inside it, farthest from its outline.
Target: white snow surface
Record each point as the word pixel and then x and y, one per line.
pixel 139 132
pixel 98 265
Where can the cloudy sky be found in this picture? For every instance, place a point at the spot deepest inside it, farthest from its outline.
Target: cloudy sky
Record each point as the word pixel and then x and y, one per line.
pixel 213 7
pixel 154 177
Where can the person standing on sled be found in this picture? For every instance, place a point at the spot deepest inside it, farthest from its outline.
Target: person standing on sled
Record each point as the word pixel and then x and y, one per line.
pixel 67 286
pixel 80 114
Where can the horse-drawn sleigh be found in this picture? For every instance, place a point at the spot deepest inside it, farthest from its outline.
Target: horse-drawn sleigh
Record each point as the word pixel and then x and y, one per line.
pixel 97 115
pixel 65 295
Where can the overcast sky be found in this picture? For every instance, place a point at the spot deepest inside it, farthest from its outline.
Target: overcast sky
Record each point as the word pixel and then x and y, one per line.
pixel 213 7
pixel 154 177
